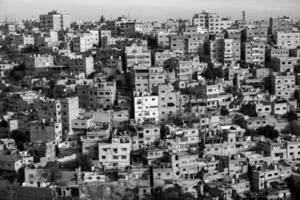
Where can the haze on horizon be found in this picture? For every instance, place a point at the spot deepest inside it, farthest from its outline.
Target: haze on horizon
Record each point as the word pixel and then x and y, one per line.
pixel 148 10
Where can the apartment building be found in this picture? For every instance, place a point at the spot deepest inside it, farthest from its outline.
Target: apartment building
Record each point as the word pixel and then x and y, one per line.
pixel 216 50
pixel 69 111
pixel 81 64
pixel 178 42
pixel 95 134
pixel 136 54
pixel 232 52
pixel 194 30
pixel 252 32
pixel 48 109
pixel 253 52
pixel 266 175
pixel 157 76
pixel 23 40
pixel 168 102
pixel 280 23
pixel 85 41
pixel 148 134
pixel 54 21
pixel 286 64
pixel 43 131
pixel 283 85
pixel 38 61
pixel 146 108
pixel 141 80
pixel 100 94
pixel 275 52
pixel 212 94
pixel 185 165
pixel 263 108
pixel 211 21
pixel 161 57
pixel 287 39
pixel 233 33
pixel 195 43
pixel 105 33
pixel 163 38
pixel 261 121
pixel 222 146
pixel 14 162
pixel 115 154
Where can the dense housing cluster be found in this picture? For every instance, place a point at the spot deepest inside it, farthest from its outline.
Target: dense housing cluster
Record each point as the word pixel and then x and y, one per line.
pixel 204 108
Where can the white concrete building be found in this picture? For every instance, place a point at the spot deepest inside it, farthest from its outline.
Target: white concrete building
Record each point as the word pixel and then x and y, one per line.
pixel 146 108
pixel 54 21
pixel 115 154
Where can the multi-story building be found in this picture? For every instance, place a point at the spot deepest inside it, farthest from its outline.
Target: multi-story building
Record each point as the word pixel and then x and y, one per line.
pixel 195 43
pixel 148 134
pixel 252 32
pixel 146 108
pixel 48 109
pixel 69 111
pixel 287 39
pixel 212 94
pixel 232 52
pixel 178 42
pixel 168 102
pixel 161 57
pixel 263 108
pixel 163 38
pixel 81 64
pixel 137 55
pixel 39 61
pixel 286 64
pixel 282 23
pixel 274 52
pixel 43 131
pixel 115 154
pixel 100 94
pixel 216 50
pixel 253 52
pixel 141 80
pixel 14 162
pixel 185 165
pixel 283 85
pixel 22 40
pixel 85 41
pixel 234 34
pixel 211 21
pixel 54 21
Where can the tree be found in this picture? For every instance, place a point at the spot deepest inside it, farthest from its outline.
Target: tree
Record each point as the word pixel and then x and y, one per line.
pixel 18 72
pixel 174 193
pixel 209 73
pixel 268 131
pixel 212 73
pixel 297 96
pixel 171 64
pixel 291 116
pixel 224 111
pixel 249 109
pixel 240 120
pixel 30 49
pixel 102 19
pixel 52 172
pixel 85 162
pixel 21 175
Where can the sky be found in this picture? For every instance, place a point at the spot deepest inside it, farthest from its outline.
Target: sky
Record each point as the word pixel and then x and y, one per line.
pixel 147 10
